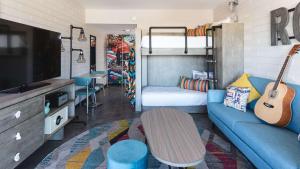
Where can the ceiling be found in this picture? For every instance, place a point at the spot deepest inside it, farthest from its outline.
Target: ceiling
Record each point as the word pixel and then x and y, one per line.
pixel 151 4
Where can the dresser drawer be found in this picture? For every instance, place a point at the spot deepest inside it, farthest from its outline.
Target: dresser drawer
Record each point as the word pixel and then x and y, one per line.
pixel 57 120
pixel 18 113
pixel 31 136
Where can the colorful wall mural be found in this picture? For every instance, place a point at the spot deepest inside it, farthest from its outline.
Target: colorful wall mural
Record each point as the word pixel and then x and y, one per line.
pixel 120 57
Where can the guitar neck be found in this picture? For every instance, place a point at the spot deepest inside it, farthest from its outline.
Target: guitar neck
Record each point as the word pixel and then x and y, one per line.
pixel 282 71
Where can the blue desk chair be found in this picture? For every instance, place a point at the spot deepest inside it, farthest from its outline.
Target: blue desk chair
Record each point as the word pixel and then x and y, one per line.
pixel 84 82
pixel 99 85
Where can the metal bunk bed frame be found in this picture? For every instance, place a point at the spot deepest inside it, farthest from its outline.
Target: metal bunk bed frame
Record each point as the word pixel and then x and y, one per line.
pixel 175 51
pixel 168 27
pixel 213 59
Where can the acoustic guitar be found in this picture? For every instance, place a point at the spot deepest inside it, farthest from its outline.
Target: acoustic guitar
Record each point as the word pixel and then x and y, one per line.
pixel 274 107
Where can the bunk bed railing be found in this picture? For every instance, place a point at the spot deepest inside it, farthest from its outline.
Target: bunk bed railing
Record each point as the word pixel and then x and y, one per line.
pixel 168 27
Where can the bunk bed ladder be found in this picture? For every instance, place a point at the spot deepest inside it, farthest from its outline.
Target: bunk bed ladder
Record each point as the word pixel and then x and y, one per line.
pixel 211 57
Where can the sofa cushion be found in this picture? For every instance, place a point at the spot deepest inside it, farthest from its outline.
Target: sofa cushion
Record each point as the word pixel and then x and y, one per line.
pixel 244 82
pixel 237 97
pixel 261 83
pixel 277 146
pixel 230 116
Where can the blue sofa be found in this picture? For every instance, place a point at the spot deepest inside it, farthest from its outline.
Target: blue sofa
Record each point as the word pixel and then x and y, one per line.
pixel 264 145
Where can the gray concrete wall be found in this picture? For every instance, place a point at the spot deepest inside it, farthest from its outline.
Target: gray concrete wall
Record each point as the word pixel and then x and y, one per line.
pixel 166 70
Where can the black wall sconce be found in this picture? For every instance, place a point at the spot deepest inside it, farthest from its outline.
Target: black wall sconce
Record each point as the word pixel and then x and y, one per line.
pixel 81 38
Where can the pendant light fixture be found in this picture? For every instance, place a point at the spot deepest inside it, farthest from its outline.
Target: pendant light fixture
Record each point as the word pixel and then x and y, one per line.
pixel 81 58
pixel 82 37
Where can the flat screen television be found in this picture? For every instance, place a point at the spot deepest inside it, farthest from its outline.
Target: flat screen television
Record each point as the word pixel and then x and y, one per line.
pixel 27 55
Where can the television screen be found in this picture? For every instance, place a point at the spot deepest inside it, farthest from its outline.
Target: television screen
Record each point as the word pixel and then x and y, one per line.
pixel 27 54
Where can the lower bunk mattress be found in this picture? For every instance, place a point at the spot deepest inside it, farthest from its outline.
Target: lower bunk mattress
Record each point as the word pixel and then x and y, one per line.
pixel 172 96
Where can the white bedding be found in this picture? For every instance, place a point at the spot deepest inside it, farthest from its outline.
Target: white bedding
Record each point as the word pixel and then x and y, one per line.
pixel 172 96
pixel 176 42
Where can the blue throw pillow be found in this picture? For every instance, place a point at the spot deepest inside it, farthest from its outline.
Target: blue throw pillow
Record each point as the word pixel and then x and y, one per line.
pixel 251 105
pixel 236 97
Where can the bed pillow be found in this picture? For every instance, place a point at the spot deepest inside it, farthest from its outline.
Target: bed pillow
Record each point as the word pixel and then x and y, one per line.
pixel 199 31
pixel 191 32
pixel 191 84
pixel 244 82
pixel 236 97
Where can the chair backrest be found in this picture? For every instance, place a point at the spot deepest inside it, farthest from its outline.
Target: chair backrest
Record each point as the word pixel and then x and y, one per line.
pixel 82 81
pixel 98 72
pixel 261 83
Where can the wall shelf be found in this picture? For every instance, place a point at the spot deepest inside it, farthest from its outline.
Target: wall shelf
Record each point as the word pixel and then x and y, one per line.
pixel 55 110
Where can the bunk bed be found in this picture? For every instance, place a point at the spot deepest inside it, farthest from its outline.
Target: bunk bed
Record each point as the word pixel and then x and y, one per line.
pixel 167 46
pixel 174 43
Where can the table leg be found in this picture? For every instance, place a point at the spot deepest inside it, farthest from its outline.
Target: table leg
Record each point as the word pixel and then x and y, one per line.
pixel 94 99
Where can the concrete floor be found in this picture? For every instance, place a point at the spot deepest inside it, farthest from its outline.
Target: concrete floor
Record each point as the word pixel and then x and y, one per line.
pixel 115 107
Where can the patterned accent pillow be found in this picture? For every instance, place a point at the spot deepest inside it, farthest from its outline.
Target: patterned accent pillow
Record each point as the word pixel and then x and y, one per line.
pixel 236 97
pixel 199 31
pixel 191 84
pixel 191 32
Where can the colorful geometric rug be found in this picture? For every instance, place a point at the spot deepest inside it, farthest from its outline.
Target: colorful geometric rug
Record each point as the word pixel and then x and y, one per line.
pixel 88 150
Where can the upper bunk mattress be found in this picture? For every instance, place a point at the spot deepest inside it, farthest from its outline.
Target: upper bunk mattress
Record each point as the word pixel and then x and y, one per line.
pixel 176 42
pixel 172 96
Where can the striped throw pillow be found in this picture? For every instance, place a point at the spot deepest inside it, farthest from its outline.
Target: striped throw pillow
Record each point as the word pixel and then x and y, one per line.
pixel 191 84
pixel 191 32
pixel 199 31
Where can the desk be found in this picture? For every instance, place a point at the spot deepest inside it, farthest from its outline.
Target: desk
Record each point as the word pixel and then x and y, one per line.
pixel 94 77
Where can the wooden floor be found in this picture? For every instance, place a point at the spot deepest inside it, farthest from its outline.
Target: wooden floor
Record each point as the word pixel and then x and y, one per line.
pixel 115 107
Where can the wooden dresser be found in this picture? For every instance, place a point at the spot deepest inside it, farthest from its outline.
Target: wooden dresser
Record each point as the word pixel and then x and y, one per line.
pixel 22 121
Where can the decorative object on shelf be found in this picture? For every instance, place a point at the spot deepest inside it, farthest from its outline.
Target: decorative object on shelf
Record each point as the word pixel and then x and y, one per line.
pixel 81 38
pixel 274 107
pixel 57 99
pixel 47 107
pixel 236 97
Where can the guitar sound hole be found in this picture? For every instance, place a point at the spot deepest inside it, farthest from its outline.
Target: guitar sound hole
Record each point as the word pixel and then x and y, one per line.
pixel 268 105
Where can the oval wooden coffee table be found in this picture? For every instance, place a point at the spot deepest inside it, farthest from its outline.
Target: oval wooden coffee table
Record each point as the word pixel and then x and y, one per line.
pixel 173 137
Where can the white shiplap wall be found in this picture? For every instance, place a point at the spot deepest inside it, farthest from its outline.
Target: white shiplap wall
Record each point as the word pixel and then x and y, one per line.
pixel 55 15
pixel 262 59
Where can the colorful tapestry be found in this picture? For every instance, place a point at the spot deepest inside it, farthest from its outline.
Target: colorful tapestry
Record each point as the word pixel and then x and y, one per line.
pixel 88 150
pixel 236 97
pixel 120 57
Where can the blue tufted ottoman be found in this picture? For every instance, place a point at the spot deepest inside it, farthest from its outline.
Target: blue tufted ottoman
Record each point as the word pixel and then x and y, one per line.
pixel 127 154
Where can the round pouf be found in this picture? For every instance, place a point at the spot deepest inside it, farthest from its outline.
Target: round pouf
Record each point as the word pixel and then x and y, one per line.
pixel 127 154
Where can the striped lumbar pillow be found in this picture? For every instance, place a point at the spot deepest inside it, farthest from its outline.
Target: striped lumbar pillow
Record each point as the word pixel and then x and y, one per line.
pixel 190 84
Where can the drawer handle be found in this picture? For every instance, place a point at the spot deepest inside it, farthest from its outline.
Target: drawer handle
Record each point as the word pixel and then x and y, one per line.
pixel 18 114
pixel 17 157
pixel 18 136
pixel 58 120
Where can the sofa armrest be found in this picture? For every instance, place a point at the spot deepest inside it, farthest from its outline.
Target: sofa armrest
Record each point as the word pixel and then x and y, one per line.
pixel 216 96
